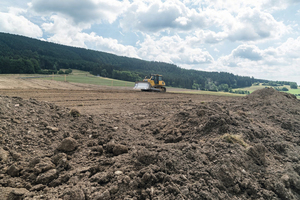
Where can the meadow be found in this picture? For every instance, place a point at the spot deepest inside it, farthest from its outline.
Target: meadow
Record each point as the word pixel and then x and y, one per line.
pixel 79 76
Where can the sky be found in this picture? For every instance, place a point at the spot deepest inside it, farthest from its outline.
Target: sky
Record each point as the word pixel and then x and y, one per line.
pixel 259 38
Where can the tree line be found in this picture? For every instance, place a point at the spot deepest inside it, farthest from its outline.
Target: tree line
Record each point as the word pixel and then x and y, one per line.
pixel 21 54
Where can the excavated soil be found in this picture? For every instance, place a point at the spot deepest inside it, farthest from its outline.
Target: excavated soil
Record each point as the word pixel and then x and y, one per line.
pixel 91 143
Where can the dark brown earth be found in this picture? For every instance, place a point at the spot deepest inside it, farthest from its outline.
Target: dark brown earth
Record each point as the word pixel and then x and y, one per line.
pixel 84 144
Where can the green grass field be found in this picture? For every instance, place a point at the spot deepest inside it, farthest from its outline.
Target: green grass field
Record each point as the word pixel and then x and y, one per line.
pixel 294 91
pixel 77 77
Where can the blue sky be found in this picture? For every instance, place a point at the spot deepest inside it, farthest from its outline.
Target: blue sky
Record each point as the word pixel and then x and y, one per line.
pixel 257 38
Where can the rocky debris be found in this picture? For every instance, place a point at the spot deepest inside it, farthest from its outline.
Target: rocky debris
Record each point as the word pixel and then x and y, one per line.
pixel 244 148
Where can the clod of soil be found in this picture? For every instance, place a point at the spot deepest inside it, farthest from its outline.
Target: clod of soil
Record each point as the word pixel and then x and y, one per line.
pixel 239 148
pixel 68 144
pixel 74 112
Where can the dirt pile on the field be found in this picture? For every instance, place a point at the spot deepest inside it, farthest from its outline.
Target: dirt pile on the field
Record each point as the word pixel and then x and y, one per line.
pixel 242 149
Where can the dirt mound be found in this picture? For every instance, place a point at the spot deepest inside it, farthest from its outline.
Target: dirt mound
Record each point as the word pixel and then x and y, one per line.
pixel 269 93
pixel 246 148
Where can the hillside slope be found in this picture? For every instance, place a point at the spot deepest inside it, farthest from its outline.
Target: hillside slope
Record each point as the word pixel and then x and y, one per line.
pixel 21 54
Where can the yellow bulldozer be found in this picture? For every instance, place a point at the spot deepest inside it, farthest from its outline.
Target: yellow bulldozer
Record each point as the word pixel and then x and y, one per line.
pixel 154 83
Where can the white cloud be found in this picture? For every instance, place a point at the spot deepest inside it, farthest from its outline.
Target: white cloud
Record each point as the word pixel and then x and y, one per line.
pixel 252 24
pixel 210 25
pixel 206 36
pixel 67 33
pixel 250 52
pixel 234 6
pixel 281 63
pixel 5 5
pixel 172 50
pixel 109 45
pixel 63 31
pixel 290 49
pixel 82 11
pixel 16 24
pixel 157 16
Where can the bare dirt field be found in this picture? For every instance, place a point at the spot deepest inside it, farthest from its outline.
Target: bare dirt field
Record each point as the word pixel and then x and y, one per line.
pixel 75 141
pixel 93 99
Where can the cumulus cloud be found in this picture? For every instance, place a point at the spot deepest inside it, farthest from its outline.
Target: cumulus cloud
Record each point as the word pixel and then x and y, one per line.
pixel 213 24
pixel 82 11
pixel 109 45
pixel 206 37
pixel 64 32
pixel 252 24
pixel 17 24
pixel 234 6
pixel 5 5
pixel 250 52
pixel 291 49
pixel 280 63
pixel 172 50
pixel 155 16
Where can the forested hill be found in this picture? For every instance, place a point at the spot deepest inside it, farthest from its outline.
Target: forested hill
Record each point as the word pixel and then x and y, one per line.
pixel 19 54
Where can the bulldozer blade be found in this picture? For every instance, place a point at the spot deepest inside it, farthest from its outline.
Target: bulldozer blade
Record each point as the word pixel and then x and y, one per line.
pixel 142 86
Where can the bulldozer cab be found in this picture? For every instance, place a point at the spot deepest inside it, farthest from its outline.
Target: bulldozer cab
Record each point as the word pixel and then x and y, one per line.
pixel 157 79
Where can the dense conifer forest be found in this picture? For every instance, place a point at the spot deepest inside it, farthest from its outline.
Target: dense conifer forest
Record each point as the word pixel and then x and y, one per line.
pixel 19 54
